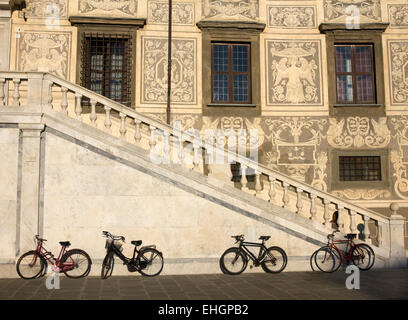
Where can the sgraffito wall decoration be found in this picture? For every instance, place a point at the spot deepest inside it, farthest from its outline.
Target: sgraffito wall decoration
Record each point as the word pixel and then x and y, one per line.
pixel 45 52
pixel 128 7
pixel 45 9
pixel 294 75
pixel 291 16
pixel 398 15
pixel 358 132
pixel 399 156
pixel 230 9
pixel 339 10
pixel 184 70
pixel 398 71
pixel 182 13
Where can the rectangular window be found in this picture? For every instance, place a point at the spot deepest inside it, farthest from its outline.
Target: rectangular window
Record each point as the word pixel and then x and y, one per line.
pixel 360 168
pixel 231 73
pixel 106 66
pixel 355 74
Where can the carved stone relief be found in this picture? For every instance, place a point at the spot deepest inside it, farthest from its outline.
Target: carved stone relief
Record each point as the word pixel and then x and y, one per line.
pixel 292 16
pixel 399 156
pixel 363 194
pixel 398 15
pixel 155 70
pixel 227 9
pixel 368 10
pixel 56 9
pixel 45 52
pixel 358 132
pixel 183 13
pixel 294 73
pixel 128 7
pixel 398 66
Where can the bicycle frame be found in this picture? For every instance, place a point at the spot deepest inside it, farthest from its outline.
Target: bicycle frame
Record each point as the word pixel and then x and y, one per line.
pixel 49 257
pixel 346 255
pixel 261 254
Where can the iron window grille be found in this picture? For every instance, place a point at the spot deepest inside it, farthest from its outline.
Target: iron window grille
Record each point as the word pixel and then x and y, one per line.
pixel 355 76
pixel 360 168
pixel 231 76
pixel 107 65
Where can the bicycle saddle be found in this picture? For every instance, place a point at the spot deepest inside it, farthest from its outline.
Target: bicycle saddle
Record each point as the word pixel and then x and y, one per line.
pixel 136 242
pixel 65 243
pixel 264 238
pixel 350 236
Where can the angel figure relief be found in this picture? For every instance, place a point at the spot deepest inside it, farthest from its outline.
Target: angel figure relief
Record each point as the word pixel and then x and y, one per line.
pixel 293 76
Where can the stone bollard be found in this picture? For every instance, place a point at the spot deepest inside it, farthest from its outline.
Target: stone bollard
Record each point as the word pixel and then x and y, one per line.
pixel 398 257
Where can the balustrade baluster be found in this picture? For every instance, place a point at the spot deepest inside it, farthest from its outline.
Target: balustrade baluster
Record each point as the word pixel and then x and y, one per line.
pixel 93 115
pixel 244 180
pixel 313 209
pixel 152 140
pixel 366 231
pixel 299 203
pixel 272 191
pixel 340 217
pixel 138 135
pixel 16 95
pixel 108 121
pixel 285 198
pixel 2 94
pixel 78 106
pixel 258 186
pixel 326 215
pixel 196 155
pixel 353 226
pixel 122 129
pixel 64 100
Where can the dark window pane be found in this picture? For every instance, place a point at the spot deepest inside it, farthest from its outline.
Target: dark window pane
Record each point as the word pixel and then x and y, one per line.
pixel 343 59
pixel 241 88
pixel 363 59
pixel 220 87
pixel 220 58
pixel 360 168
pixel 240 57
pixel 365 88
pixel 345 88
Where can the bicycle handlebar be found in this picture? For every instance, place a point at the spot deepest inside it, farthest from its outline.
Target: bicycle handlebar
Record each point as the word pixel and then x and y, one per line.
pixel 113 237
pixel 238 238
pixel 331 235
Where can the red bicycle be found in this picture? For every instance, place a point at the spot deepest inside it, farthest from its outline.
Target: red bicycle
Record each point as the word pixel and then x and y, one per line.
pixel 74 263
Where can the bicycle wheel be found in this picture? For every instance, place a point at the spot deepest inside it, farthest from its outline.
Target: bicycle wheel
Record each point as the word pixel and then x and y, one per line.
pixel 107 266
pixel 275 260
pixel 361 257
pixel 233 261
pixel 30 265
pixel 150 262
pixel 325 260
pixel 372 256
pixel 312 260
pixel 76 263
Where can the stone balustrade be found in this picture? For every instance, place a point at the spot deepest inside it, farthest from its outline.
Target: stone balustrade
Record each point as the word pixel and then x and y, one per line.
pixel 269 185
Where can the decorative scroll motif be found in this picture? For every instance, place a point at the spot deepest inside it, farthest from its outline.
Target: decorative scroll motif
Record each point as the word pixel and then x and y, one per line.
pixel 183 13
pixel 399 158
pixel 227 9
pixel 56 9
pixel 358 132
pixel 320 175
pixel 294 142
pixel 294 76
pixel 398 15
pixel 337 9
pixel 155 70
pixel 187 121
pixel 398 66
pixel 362 194
pixel 122 6
pixel 292 16
pixel 45 52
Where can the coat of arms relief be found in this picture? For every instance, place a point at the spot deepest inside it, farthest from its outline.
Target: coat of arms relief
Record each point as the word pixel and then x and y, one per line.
pixel 46 9
pixel 291 16
pixel 338 10
pixel 182 13
pixel 398 15
pixel 45 52
pixel 128 7
pixel 398 59
pixel 294 74
pixel 230 9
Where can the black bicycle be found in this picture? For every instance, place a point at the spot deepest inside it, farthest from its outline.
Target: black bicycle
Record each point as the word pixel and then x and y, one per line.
pixel 148 262
pixel 235 260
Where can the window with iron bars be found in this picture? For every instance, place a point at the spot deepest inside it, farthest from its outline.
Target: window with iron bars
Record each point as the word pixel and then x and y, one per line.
pixel 360 168
pixel 107 65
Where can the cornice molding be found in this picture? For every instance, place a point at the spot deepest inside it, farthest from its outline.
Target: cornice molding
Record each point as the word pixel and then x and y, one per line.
pixel 126 22
pixel 363 27
pixel 231 25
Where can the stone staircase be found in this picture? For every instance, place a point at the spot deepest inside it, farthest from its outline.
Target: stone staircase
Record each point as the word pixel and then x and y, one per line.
pixel 272 203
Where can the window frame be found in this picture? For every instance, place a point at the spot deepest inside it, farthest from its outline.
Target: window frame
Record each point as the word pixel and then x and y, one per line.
pixel 231 72
pixel 354 167
pixel 354 73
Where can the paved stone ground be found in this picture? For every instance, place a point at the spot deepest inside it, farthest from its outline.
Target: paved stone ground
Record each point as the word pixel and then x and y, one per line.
pixel 374 284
